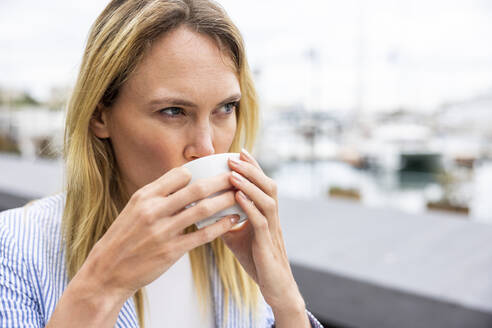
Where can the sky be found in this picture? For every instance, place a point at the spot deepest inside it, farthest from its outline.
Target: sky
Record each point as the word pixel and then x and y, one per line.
pixel 371 55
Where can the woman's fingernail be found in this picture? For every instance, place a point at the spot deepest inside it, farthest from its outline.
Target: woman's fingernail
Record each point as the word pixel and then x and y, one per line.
pixel 245 152
pixel 235 161
pixel 242 195
pixel 237 176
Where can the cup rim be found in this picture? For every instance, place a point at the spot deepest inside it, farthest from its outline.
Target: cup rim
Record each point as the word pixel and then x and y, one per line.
pixel 209 157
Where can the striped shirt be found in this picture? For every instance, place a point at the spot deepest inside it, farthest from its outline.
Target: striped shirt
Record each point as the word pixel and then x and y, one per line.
pixel 33 273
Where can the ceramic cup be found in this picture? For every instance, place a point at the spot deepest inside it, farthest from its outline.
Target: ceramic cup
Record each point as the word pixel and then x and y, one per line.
pixel 210 166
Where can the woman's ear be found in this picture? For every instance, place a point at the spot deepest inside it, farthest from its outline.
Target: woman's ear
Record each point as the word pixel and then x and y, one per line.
pixel 99 122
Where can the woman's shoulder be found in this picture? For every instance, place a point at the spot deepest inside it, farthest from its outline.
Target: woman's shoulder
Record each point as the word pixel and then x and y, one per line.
pixel 31 261
pixel 35 224
pixel 44 211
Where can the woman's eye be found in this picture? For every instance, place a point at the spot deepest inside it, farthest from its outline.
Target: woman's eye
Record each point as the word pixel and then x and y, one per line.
pixel 171 111
pixel 230 107
pixel 176 112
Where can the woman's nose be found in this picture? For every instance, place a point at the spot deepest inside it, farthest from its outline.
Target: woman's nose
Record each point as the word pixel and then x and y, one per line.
pixel 201 144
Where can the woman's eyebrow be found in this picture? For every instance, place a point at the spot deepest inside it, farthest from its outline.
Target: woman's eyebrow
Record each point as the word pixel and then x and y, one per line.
pixel 174 101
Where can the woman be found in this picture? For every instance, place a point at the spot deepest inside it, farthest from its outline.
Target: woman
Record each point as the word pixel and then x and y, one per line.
pixel 161 83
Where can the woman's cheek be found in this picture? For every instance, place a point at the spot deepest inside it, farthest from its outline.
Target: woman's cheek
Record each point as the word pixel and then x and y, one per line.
pixel 225 135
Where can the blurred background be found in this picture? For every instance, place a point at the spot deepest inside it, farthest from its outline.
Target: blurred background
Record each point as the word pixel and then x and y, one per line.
pixel 384 106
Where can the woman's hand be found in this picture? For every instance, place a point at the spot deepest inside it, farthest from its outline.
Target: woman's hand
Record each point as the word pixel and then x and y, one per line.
pixel 258 244
pixel 147 237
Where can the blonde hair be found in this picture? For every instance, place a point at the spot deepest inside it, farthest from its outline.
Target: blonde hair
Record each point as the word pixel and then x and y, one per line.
pixel 117 42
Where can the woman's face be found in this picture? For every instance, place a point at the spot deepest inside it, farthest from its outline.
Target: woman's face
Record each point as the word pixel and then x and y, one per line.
pixel 178 105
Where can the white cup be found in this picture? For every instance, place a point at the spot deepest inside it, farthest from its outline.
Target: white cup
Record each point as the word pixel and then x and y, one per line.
pixel 209 166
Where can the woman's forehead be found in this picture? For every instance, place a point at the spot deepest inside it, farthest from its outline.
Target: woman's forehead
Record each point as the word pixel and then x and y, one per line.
pixel 183 61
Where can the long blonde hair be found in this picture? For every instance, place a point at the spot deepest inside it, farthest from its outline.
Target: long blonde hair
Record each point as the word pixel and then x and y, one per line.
pixel 95 192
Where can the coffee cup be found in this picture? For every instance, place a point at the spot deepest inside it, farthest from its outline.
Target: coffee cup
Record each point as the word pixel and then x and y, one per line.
pixel 209 166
